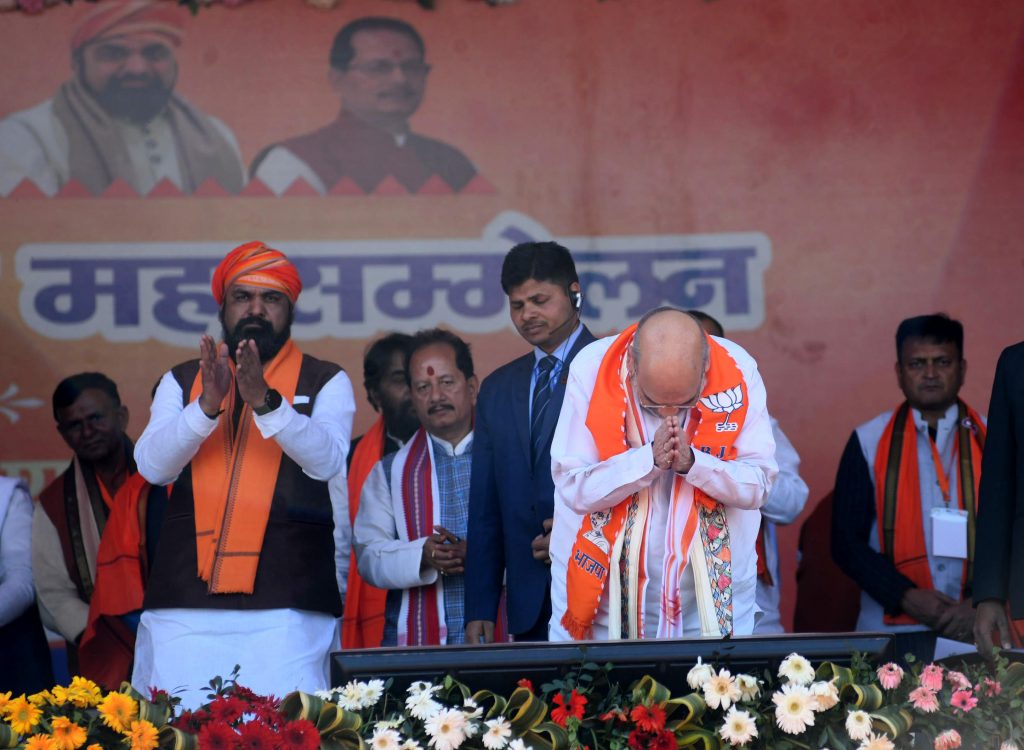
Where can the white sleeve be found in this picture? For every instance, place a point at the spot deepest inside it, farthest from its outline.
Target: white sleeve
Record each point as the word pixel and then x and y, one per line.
pixel 59 605
pixel 789 492
pixel 24 139
pixel 16 590
pixel 743 482
pixel 338 487
pixel 318 443
pixel 173 434
pixel 582 481
pixel 385 561
pixel 280 168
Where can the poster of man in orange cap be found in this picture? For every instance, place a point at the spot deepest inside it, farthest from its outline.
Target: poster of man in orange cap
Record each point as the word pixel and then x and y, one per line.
pixel 119 117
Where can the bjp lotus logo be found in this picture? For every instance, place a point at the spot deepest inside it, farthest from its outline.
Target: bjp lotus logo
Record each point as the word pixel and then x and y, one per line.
pixel 725 402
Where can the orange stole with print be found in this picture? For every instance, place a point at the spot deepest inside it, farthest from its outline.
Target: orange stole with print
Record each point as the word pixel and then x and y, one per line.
pixel 612 413
pixel 234 474
pixel 898 494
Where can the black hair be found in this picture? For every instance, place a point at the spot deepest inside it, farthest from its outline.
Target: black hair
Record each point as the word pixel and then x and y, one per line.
pixel 542 261
pixel 378 358
pixel 342 50
pixel 702 317
pixel 937 329
pixel 70 388
pixel 430 336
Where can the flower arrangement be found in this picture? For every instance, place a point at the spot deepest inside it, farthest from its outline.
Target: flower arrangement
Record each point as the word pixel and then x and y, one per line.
pixel 37 6
pixel 797 706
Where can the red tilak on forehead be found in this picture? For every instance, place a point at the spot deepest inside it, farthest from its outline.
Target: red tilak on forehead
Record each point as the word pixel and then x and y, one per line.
pixel 430 371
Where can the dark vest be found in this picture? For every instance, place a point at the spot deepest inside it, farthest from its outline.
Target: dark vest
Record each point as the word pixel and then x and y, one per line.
pixel 296 568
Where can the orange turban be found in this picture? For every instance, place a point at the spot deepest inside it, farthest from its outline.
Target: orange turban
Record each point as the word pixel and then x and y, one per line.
pixel 120 18
pixel 255 264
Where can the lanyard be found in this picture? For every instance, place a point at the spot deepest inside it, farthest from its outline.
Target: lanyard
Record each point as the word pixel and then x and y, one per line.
pixel 940 470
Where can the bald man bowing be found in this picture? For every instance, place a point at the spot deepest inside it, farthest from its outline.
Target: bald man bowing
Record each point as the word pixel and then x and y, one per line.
pixel 662 457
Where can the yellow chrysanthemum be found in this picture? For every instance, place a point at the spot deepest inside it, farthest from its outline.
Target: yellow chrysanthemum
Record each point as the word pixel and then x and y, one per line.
pixel 41 698
pixel 117 711
pixel 84 693
pixel 95 746
pixel 67 734
pixel 142 735
pixel 60 695
pixel 22 715
pixel 5 699
pixel 41 742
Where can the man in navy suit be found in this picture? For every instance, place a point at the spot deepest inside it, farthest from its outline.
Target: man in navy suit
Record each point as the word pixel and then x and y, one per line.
pixel 511 501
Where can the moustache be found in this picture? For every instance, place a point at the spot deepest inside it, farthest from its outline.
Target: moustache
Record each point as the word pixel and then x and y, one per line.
pixel 440 407
pixel 263 325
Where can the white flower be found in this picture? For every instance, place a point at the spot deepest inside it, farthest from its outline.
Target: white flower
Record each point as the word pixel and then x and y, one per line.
pixel 876 742
pixel 325 695
pixel 350 697
pixel 1009 745
pixel 389 723
pixel 422 705
pixel 858 725
pixel 422 687
pixel 825 695
pixel 721 690
pixel 497 734
pixel 411 745
pixel 385 739
pixel 447 729
pixel 796 668
pixel 518 744
pixel 794 708
pixel 372 693
pixel 471 709
pixel 749 687
pixel 699 674
pixel 739 727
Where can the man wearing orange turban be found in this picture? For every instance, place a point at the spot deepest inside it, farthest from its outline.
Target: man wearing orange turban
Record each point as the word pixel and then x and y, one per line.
pixel 118 118
pixel 249 434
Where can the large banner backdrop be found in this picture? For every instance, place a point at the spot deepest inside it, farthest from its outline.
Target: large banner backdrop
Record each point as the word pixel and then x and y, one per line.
pixel 807 172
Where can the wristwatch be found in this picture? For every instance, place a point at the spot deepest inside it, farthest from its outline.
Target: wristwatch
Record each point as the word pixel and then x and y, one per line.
pixel 271 402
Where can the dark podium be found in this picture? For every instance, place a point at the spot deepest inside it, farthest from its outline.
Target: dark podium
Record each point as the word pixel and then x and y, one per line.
pixel 499 666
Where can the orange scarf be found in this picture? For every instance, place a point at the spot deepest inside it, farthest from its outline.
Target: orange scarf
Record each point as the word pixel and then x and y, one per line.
pixel 107 648
pixel 234 474
pixel 363 623
pixel 898 495
pixel 615 431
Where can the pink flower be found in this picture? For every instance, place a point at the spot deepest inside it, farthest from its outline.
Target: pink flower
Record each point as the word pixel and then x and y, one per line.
pixel 890 675
pixel 989 687
pixel 947 740
pixel 964 700
pixel 924 700
pixel 958 679
pixel 931 677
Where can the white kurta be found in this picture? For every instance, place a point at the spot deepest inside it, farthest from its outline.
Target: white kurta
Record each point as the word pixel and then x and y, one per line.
pixel 34 147
pixel 278 649
pixel 584 484
pixel 785 502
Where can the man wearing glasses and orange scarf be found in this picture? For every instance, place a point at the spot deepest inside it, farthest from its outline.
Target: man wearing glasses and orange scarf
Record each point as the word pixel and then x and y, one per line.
pixel 662 457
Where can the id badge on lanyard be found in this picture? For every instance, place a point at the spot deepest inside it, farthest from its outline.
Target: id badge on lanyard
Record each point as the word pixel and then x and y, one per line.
pixel 949 525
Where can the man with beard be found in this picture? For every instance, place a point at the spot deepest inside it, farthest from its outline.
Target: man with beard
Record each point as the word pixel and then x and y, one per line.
pixel 72 515
pixel 387 390
pixel 118 118
pixel 378 68
pixel 410 532
pixel 905 496
pixel 249 434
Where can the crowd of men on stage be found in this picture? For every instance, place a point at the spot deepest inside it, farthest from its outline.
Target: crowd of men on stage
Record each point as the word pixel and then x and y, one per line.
pixel 623 487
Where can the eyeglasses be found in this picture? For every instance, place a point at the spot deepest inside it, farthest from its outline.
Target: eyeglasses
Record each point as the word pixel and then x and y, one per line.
pixel 660 410
pixel 385 68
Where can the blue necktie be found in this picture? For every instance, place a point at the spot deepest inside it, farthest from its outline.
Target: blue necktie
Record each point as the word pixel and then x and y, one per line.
pixel 541 399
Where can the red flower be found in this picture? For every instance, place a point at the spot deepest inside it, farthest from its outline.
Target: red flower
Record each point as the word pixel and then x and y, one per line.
pixel 525 683
pixel 639 740
pixel 615 713
pixel 575 708
pixel 257 736
pixel 663 740
pixel 218 736
pixel 989 687
pixel 648 719
pixel 227 708
pixel 299 735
